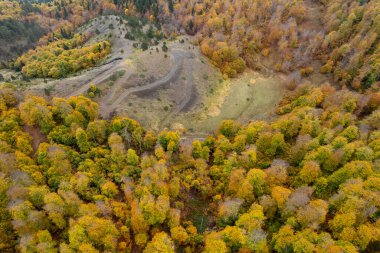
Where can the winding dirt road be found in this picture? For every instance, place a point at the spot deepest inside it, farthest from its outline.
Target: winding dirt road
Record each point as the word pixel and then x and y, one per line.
pixel 103 76
pixel 186 98
pixel 178 57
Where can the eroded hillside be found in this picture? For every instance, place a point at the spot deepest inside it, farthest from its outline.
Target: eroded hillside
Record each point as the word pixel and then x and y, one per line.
pixel 171 83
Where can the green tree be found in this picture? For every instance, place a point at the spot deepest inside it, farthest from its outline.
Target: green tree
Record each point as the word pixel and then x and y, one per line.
pixel 82 140
pixel 132 157
pixel 35 111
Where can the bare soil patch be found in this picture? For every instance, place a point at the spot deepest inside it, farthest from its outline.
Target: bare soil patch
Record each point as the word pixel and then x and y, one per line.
pixel 37 136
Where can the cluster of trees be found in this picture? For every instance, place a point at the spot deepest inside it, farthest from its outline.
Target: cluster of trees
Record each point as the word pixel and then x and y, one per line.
pixel 225 57
pixel 238 33
pixel 307 182
pixel 49 18
pixel 26 33
pixel 136 32
pixel 351 48
pixel 281 35
pixel 62 57
pixel 55 12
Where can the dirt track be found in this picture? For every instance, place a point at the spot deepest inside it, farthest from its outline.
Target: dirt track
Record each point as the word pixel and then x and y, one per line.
pixel 112 68
pixel 178 57
pixel 186 98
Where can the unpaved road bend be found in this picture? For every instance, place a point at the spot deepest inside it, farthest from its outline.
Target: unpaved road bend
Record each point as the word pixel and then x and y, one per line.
pixel 177 62
pixel 100 78
pixel 186 99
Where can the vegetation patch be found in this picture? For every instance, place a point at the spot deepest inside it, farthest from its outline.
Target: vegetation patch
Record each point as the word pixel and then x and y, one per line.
pixel 62 57
pixel 301 180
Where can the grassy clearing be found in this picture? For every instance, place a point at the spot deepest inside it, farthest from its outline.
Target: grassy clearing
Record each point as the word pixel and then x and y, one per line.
pixel 245 98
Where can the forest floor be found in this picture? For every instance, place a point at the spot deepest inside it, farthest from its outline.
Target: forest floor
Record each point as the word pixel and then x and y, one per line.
pixel 37 136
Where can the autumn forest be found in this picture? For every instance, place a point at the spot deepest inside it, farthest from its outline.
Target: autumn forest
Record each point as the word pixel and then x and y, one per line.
pixel 79 174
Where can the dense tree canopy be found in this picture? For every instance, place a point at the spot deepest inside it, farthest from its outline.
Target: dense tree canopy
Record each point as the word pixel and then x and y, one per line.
pixel 285 36
pixel 300 37
pixel 307 182
pixel 62 57
pixel 26 23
